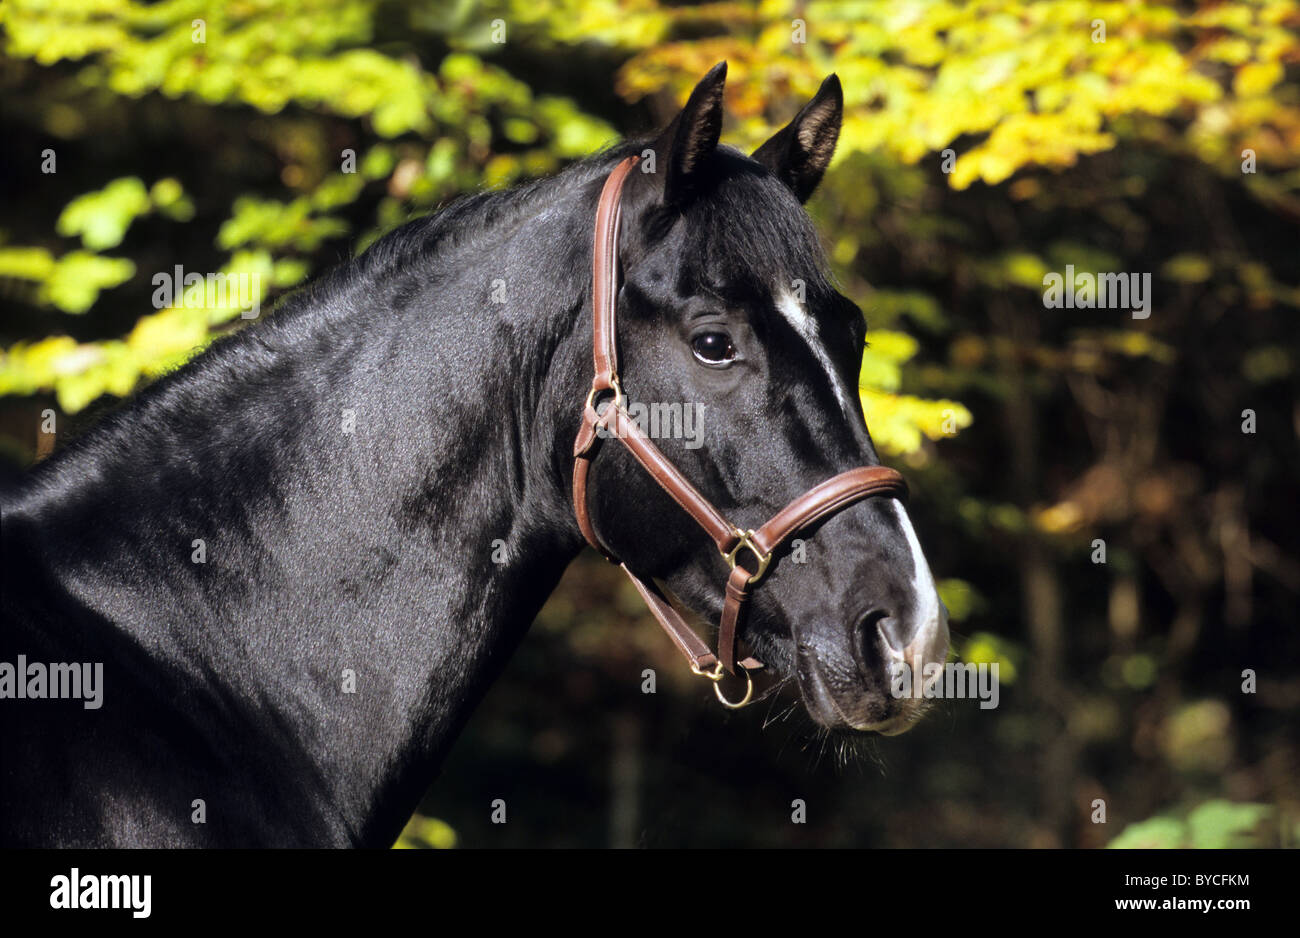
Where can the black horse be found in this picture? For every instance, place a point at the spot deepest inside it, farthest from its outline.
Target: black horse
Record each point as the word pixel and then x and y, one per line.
pixel 380 478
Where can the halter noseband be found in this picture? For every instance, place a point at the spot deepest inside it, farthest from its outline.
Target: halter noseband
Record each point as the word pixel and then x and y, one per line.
pixel 819 502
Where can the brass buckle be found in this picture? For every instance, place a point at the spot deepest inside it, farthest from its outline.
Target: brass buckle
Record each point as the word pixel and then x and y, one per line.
pixel 746 539
pixel 716 676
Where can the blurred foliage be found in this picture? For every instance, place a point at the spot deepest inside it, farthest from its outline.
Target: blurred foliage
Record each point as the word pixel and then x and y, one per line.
pixel 985 145
pixel 462 122
pixel 426 833
pixel 1024 83
pixel 990 648
pixel 1215 825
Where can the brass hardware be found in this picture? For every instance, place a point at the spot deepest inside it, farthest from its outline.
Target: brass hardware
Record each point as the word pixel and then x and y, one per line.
pixel 744 701
pixel 715 675
pixel 619 399
pixel 746 540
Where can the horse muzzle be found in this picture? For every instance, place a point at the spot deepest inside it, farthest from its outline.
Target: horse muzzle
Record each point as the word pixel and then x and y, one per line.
pixel 871 680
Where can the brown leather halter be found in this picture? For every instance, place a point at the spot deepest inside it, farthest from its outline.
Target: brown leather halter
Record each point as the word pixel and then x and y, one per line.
pixel 819 502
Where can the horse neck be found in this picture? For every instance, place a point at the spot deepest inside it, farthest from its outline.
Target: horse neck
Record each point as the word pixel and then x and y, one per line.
pixel 381 494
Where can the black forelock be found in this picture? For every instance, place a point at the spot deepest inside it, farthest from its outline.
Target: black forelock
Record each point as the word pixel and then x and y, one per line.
pixel 750 222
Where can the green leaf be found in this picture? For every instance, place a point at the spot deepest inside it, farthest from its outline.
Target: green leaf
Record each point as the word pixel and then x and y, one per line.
pixel 101 218
pixel 74 283
pixel 1158 833
pixel 1220 825
pixel 426 833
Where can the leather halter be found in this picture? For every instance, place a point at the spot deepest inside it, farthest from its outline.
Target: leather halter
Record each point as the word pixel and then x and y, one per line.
pixel 818 503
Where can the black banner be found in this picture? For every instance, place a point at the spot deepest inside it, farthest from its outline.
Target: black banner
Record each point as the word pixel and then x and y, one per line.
pixel 135 888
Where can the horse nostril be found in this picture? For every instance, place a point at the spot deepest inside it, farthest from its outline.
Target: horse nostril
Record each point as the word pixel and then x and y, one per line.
pixel 876 624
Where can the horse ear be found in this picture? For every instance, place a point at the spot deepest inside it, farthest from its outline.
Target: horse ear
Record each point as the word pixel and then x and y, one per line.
pixel 799 153
pixel 692 135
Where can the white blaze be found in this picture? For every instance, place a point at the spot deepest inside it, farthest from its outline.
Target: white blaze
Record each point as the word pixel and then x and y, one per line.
pixel 806 326
pixel 932 629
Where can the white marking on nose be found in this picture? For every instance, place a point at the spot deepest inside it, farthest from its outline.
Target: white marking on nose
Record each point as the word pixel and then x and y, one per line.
pixel 806 326
pixel 932 634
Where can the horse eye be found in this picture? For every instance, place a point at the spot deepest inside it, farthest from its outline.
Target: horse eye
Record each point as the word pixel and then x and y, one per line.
pixel 713 348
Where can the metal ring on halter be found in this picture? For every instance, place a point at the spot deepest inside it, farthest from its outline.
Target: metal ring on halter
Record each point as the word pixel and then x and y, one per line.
pixel 619 399
pixel 718 689
pixel 744 701
pixel 716 676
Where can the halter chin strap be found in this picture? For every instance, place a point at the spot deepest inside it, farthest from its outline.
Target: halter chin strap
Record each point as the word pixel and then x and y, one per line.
pixel 605 414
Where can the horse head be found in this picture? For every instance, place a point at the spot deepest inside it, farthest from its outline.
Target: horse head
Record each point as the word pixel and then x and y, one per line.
pixel 726 306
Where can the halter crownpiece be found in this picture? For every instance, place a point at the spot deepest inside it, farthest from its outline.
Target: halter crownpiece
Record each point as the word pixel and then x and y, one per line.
pixel 818 503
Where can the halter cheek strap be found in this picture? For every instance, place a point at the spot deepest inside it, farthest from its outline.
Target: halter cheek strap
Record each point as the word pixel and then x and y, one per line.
pixel 605 414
